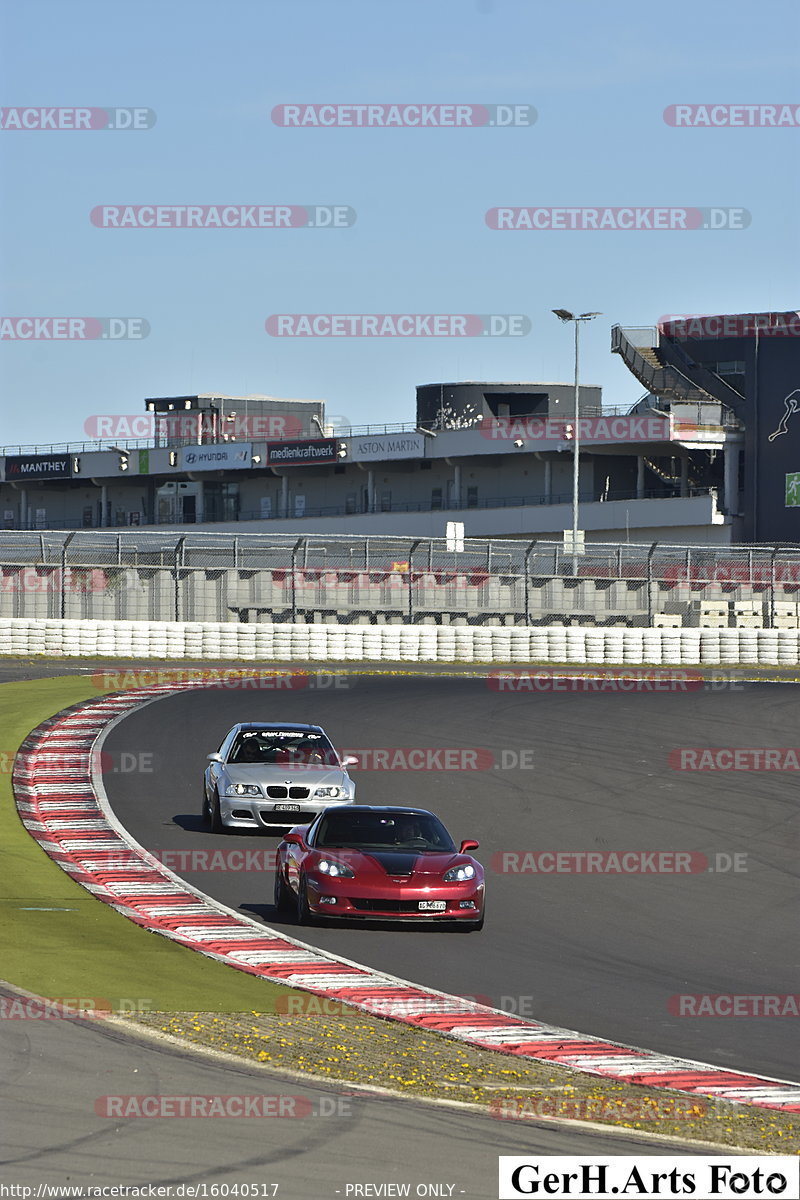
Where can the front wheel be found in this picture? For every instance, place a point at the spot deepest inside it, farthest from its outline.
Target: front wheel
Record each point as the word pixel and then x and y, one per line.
pixel 282 897
pixel 215 821
pixel 304 914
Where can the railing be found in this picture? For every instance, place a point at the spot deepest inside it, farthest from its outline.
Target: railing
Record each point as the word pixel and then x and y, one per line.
pixel 338 431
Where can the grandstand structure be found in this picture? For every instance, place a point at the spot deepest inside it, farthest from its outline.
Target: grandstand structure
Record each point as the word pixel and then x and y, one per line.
pixel 710 455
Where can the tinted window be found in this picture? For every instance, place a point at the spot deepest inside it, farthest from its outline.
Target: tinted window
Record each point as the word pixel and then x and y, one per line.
pixel 382 831
pixel 284 748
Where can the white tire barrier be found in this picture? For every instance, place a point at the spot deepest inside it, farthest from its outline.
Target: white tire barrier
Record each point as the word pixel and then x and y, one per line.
pixel 300 642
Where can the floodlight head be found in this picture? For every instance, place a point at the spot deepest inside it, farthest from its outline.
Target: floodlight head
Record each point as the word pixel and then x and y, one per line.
pixel 588 316
pixel 563 314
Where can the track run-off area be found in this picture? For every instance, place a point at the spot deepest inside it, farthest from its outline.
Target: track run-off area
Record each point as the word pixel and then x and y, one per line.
pixel 692 955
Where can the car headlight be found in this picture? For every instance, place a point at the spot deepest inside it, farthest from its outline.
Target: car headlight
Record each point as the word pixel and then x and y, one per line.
pixel 243 789
pixel 458 874
pixel 335 869
pixel 330 793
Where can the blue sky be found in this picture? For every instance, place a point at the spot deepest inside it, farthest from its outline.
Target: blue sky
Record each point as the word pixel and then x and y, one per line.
pixel 599 77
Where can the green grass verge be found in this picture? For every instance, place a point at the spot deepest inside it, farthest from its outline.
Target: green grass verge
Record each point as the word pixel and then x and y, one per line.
pixel 85 948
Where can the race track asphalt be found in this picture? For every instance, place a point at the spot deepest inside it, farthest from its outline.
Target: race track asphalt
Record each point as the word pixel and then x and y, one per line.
pixel 602 954
pixel 55 1074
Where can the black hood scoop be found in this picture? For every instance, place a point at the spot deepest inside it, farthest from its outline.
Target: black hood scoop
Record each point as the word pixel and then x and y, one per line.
pixel 394 862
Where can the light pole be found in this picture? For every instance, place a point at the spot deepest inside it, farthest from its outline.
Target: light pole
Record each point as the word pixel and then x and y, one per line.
pixel 564 314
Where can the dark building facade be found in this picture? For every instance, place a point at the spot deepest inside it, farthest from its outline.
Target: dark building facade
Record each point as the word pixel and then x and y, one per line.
pixel 750 364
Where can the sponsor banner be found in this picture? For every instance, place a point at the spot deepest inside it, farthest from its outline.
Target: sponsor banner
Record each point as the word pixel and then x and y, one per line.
pixel 403 116
pixel 599 862
pixel 76 118
pixel 590 429
pixel 37 466
pixel 727 1005
pixel 73 329
pixel 387 445
pixel 734 758
pixel 733 325
pixel 305 453
pixel 732 116
pixel 222 216
pixel 236 457
pixel 719 1176
pixel 626 219
pixel 398 325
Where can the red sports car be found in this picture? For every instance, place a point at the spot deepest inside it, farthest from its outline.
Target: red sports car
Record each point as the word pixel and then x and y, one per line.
pixel 385 863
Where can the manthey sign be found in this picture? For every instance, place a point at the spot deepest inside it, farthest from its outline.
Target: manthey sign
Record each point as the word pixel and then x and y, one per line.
pixel 37 466
pixel 302 453
pixel 387 445
pixel 234 457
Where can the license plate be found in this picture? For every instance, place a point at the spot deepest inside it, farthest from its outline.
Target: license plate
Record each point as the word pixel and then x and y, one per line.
pixel 432 905
pixel 287 808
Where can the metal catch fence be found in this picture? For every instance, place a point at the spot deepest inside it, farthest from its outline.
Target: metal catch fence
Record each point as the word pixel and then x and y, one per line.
pixel 198 577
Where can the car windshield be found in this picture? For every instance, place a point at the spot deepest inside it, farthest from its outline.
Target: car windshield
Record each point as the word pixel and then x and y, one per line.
pixel 283 748
pixel 383 831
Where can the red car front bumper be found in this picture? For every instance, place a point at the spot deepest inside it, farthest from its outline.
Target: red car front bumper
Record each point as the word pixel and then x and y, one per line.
pixel 390 901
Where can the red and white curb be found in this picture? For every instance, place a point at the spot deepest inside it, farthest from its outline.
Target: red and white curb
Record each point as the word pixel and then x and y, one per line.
pixel 62 804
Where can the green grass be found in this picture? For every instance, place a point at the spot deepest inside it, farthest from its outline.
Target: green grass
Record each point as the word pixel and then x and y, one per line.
pixel 85 948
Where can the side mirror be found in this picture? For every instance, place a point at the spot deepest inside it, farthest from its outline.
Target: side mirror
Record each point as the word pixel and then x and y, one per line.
pixel 294 839
pixel 214 757
pixel 467 846
pixel 350 761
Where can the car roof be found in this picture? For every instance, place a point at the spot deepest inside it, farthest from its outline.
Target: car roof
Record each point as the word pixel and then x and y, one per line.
pixel 251 726
pixel 381 808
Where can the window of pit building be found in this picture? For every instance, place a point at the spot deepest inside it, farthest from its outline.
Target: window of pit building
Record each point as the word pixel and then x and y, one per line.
pixel 386 501
pixel 436 498
pixel 472 497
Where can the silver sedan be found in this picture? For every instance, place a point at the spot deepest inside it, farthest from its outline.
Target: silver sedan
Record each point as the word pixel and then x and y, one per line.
pixel 270 776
